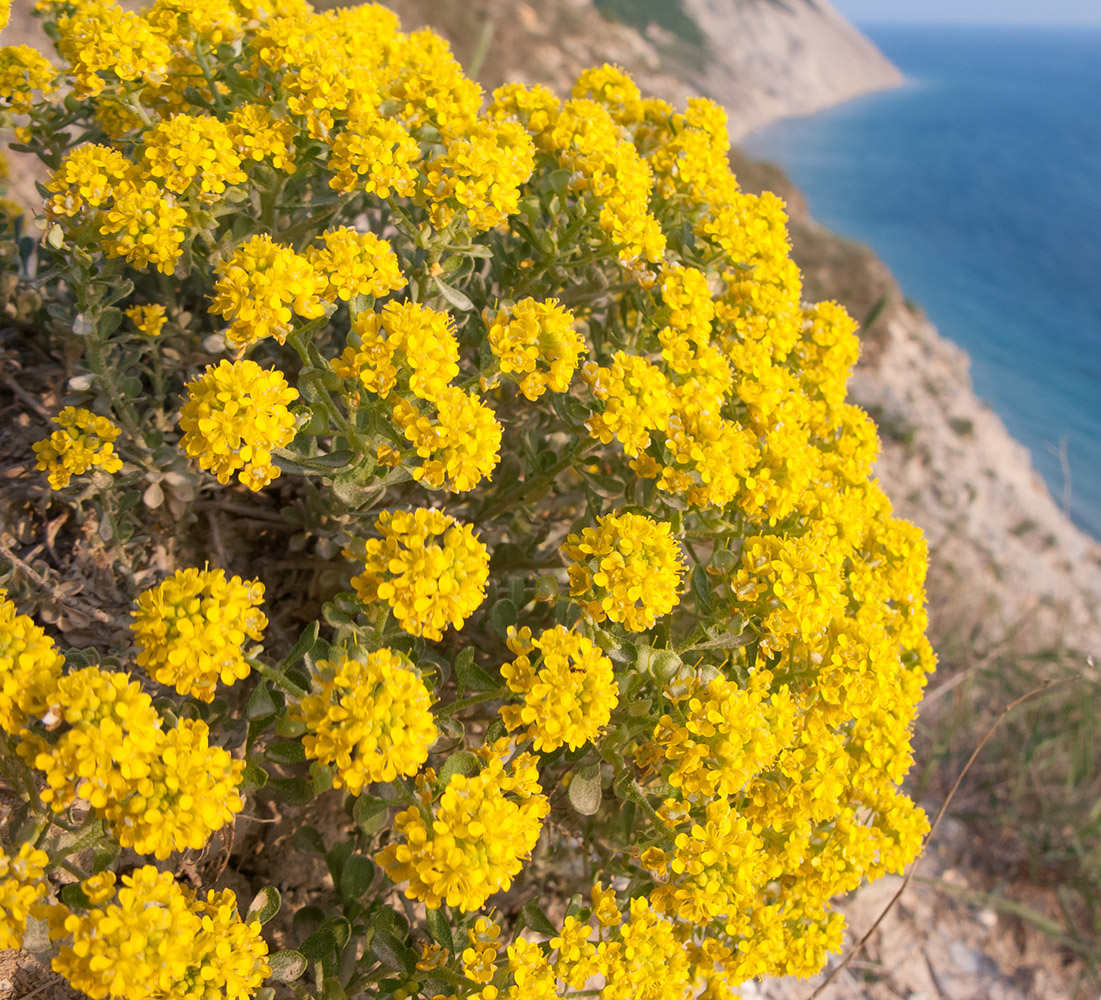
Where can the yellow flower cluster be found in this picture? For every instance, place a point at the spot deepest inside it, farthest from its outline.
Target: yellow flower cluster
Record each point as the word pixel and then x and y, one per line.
pixel 160 791
pixel 771 764
pixel 628 569
pixel 30 666
pixel 158 938
pixel 235 414
pixel 456 436
pixel 261 287
pixel 568 697
pixel 473 841
pixel 372 719
pixel 375 155
pixel 84 441
pixel 191 630
pixel 407 354
pixel 536 342
pixel 22 886
pixel 23 73
pixel 102 40
pixel 189 152
pixel 480 174
pixel 355 263
pixel 143 227
pixel 427 566
pixel 149 320
pixel 722 736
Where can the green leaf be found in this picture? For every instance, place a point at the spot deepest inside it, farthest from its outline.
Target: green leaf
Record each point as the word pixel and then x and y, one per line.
pixel 334 460
pixel 289 727
pixel 264 905
pixel 356 877
pixel 331 989
pixel 305 643
pixel 702 586
pixel 287 965
pixel 502 615
pixel 320 946
pixel 293 791
pixel 321 775
pixel 585 792
pixel 392 951
pixel 369 814
pixel 455 298
pixel 254 777
pixel 309 840
pixel 440 929
pixel 261 705
pixel 74 897
pixel 722 637
pixel 470 675
pixel 537 920
pixel 286 752
pixel 460 762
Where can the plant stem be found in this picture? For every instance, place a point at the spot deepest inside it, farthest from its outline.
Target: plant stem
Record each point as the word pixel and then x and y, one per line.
pixel 277 676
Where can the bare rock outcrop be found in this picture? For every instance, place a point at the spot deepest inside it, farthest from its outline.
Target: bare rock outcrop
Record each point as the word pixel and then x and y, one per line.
pixel 772 59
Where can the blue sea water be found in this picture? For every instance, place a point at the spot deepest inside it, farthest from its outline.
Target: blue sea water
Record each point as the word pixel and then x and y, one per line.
pixel 979 183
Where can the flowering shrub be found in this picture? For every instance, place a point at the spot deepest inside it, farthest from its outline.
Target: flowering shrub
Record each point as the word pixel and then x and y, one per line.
pixel 609 647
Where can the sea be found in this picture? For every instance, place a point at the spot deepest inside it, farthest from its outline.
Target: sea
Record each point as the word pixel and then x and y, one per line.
pixel 979 183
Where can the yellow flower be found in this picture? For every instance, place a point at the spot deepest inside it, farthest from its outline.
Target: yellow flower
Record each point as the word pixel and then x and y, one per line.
pixel 144 227
pixel 105 39
pixel 372 719
pixel 645 960
pixel 538 342
pixel 375 155
pixel 406 345
pixel 471 843
pixel 480 173
pixel 30 667
pixel 84 441
pixel 188 792
pixel 187 149
pixel 235 414
pixel 427 566
pixel 460 443
pixel 637 397
pixel 23 71
pixel 261 287
pixel 355 263
pixel 21 887
pixel 576 961
pixel 258 135
pixel 568 697
pixel 604 905
pixel 89 176
pixel 148 319
pixel 191 629
pixel 159 938
pixel 114 733
pixel 480 958
pixel 532 976
pixel 721 737
pixel 628 569
pixel 716 869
